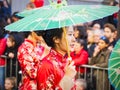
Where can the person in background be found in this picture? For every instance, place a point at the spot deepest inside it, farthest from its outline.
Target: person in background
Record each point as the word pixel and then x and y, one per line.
pixel 11 53
pixel 113 19
pixel 15 17
pixel 90 43
pixel 97 35
pixel 80 33
pixel 30 6
pixel 10 83
pixel 38 3
pixel 80 57
pixel 109 32
pixel 96 26
pixel 54 70
pixel 13 43
pixel 100 59
pixel 3 39
pixel 5 9
pixel 29 54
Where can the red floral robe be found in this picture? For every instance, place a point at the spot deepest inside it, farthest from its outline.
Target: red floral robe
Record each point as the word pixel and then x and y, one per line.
pixel 50 71
pixel 29 56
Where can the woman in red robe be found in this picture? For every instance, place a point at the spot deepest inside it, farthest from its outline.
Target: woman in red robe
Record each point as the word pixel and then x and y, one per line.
pixel 54 72
pixel 29 54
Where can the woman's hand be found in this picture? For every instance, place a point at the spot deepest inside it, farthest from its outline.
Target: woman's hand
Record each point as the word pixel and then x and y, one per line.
pixel 96 51
pixel 11 55
pixel 70 69
pixel 70 73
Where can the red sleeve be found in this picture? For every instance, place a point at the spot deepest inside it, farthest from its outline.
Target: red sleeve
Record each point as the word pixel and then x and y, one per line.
pixel 82 59
pixel 45 76
pixel 48 77
pixel 28 59
pixel 2 45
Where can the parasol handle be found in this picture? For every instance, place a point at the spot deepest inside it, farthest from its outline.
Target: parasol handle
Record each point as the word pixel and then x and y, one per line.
pixel 66 41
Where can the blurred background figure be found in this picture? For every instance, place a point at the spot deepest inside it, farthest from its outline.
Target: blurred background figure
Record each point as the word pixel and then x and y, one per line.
pixel 80 33
pixel 10 83
pixel 90 43
pixel 97 35
pixel 3 39
pixel 113 19
pixel 96 26
pixel 38 3
pixel 30 6
pixel 15 17
pixel 100 59
pixel 13 42
pixel 80 57
pixel 5 9
pixel 109 32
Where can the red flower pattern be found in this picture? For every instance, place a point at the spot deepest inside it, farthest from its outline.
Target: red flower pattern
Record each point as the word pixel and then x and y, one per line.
pixel 29 56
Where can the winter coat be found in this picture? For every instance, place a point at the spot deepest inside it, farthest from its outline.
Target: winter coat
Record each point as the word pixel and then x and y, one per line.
pixel 80 59
pixel 2 49
pixel 101 60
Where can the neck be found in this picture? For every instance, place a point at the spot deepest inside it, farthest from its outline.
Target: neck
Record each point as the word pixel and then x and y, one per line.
pixel 60 51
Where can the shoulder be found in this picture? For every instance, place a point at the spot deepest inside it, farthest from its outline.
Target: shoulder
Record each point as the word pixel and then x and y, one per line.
pixel 84 52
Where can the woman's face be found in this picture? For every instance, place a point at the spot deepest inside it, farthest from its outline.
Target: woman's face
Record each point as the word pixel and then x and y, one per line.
pixel 76 33
pixel 77 47
pixel 62 43
pixel 10 43
pixel 66 38
pixel 8 85
pixel 70 38
pixel 102 44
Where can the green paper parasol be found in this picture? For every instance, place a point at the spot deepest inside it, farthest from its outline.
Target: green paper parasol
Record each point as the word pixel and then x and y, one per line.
pixel 114 66
pixel 58 16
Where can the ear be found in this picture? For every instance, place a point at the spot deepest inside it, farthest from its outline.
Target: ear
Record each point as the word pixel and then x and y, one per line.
pixel 56 40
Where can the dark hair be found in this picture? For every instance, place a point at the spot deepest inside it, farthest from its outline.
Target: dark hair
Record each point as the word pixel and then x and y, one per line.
pixel 81 41
pixel 110 26
pixel 82 32
pixel 50 34
pixel 105 39
pixel 3 23
pixel 12 38
pixel 16 16
pixel 1 4
pixel 39 33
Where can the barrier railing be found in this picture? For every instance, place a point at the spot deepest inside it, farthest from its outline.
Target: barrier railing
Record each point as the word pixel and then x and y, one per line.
pixel 88 74
pixel 12 69
pixel 92 80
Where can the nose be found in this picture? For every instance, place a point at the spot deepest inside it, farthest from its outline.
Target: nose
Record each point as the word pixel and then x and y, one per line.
pixel 72 38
